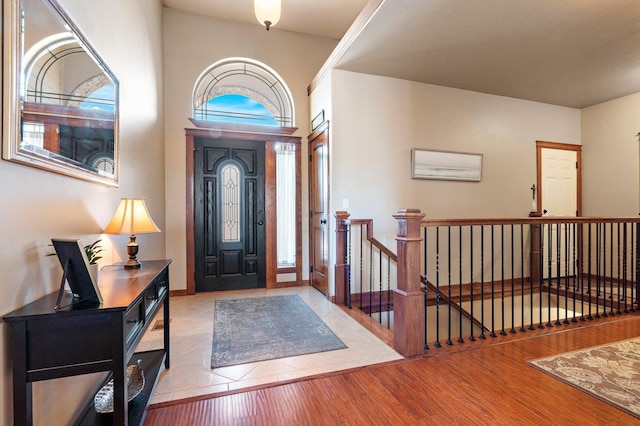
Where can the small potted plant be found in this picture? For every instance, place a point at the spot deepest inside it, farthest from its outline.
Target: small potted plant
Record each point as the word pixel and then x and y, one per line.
pixel 92 251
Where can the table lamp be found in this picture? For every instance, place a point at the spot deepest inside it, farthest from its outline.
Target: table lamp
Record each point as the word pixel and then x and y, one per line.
pixel 132 217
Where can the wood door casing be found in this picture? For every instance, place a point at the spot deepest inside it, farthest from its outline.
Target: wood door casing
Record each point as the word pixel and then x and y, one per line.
pixel 319 209
pixel 270 191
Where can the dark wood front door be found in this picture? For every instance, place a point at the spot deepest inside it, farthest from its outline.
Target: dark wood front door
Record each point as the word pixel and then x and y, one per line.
pixel 319 209
pixel 229 215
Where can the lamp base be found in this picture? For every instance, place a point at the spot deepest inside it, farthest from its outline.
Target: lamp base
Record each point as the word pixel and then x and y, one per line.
pixel 132 251
pixel 132 264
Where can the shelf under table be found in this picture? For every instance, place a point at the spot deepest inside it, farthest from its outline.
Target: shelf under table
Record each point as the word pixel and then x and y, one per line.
pixel 151 363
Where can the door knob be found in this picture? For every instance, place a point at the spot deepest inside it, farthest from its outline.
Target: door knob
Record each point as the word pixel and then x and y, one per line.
pixel 260 222
pixel 323 221
pixel 544 211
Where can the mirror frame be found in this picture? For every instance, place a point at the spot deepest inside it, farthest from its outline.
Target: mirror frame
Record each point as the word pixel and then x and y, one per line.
pixel 12 61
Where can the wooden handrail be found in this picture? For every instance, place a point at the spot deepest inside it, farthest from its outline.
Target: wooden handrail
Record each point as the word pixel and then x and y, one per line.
pixel 528 220
pixel 410 319
pixel 376 243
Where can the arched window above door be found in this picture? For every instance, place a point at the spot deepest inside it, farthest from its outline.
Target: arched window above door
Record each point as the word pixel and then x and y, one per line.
pixel 57 71
pixel 236 109
pixel 242 90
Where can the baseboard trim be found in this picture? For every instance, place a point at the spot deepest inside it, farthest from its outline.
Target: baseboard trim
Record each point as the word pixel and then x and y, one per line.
pixel 302 283
pixel 286 284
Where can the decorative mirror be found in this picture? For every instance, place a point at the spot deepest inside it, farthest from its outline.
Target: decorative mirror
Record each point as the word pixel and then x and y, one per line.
pixel 60 100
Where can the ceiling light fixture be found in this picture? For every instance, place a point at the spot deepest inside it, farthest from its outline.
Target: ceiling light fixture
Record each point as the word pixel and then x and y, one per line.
pixel 267 12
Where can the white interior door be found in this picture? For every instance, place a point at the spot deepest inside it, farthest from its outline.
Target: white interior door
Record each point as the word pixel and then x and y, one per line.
pixel 560 199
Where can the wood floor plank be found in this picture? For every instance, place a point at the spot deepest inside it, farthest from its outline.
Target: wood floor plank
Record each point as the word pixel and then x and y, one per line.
pixel 487 385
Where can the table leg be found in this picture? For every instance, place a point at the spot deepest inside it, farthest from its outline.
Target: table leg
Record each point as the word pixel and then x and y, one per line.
pixel 22 395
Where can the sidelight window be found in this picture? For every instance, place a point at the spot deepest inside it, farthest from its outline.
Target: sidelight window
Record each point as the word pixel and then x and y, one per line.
pixel 286 198
pixel 32 135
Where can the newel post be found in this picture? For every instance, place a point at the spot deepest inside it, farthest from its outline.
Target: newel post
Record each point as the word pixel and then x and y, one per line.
pixel 536 252
pixel 342 263
pixel 408 299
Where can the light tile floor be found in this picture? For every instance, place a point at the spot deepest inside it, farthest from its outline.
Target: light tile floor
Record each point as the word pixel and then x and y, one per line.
pixel 191 333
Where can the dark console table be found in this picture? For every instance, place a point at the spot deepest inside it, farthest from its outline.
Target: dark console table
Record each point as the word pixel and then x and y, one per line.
pixel 80 339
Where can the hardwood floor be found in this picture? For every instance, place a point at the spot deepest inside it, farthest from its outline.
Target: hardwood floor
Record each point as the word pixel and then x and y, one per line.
pixel 488 385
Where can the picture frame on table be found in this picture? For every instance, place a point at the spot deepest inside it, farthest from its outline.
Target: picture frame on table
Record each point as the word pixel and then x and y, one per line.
pixel 75 267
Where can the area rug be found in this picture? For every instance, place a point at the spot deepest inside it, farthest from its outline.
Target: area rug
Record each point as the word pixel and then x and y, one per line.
pixel 610 372
pixel 261 328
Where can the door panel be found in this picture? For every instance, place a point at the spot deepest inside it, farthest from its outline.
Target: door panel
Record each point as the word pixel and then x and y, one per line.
pixel 559 198
pixel 229 214
pixel 318 217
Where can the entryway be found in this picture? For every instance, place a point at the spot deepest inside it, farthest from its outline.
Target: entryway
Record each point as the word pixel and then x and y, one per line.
pixel 229 213
pixel 247 255
pixel 193 328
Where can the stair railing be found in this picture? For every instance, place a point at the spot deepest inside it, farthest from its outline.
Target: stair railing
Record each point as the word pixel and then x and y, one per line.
pixel 486 278
pixel 459 281
pixel 366 278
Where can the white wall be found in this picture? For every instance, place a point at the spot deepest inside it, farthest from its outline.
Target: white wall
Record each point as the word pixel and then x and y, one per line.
pixel 192 44
pixel 38 205
pixel 320 98
pixel 375 122
pixel 610 157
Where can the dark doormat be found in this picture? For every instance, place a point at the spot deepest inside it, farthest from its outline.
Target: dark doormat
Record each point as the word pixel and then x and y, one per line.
pixel 261 328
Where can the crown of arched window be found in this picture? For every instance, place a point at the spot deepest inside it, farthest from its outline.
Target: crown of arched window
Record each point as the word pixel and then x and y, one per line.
pixel 83 84
pixel 240 90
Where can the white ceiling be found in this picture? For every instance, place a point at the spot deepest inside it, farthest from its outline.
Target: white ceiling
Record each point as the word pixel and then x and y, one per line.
pixel 574 53
pixel 324 18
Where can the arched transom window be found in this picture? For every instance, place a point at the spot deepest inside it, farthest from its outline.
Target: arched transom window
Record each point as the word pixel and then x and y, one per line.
pixel 82 84
pixel 242 90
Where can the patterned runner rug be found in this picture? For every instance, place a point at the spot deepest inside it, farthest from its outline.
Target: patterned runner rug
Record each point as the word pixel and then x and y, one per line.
pixel 260 328
pixel 610 372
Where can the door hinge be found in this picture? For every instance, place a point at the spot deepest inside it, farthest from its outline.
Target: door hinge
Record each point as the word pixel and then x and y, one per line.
pixel 576 165
pixel 311 269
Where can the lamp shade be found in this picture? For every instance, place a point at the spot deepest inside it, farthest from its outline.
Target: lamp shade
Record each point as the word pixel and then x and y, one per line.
pixel 267 12
pixel 132 217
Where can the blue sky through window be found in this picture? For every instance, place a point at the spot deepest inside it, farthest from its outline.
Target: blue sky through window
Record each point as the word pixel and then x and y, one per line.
pixel 236 109
pixel 102 98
